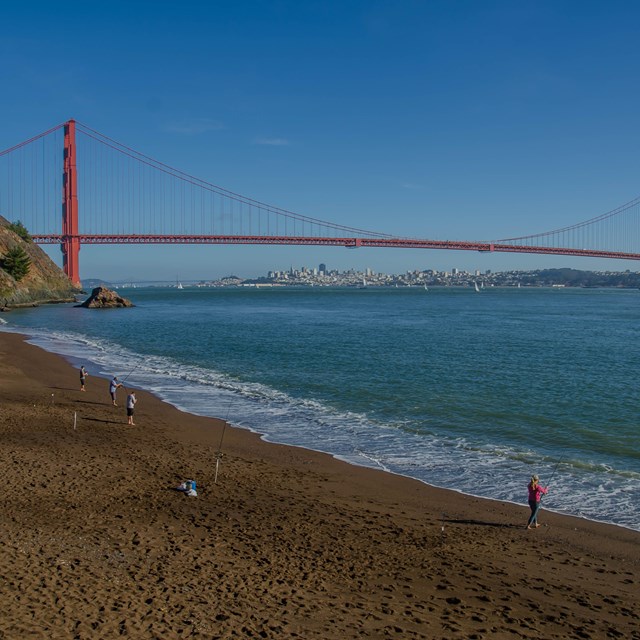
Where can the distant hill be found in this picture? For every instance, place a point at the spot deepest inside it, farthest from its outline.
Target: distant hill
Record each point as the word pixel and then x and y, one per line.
pixel 92 283
pixel 44 282
pixel 577 278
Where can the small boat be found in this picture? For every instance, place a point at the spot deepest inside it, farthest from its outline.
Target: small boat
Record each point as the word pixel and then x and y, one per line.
pixel 475 284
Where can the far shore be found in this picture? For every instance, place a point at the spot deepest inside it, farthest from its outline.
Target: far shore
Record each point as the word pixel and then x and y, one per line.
pixel 287 543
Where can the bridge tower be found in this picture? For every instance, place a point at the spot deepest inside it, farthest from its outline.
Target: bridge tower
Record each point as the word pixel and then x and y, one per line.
pixel 70 243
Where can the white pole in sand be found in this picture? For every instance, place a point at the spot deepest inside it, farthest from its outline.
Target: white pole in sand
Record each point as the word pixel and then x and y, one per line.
pixel 75 420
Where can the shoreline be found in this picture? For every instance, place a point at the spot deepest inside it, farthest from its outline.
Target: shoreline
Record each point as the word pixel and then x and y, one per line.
pixel 210 405
pixel 289 543
pixel 272 438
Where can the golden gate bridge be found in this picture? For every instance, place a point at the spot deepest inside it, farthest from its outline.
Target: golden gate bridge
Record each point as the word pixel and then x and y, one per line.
pixel 130 198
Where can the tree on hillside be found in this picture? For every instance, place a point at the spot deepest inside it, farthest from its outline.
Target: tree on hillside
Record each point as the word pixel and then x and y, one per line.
pixel 16 263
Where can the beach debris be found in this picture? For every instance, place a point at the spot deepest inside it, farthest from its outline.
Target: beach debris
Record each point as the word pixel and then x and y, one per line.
pixel 188 487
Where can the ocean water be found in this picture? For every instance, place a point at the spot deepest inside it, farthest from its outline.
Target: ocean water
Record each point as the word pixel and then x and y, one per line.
pixel 464 390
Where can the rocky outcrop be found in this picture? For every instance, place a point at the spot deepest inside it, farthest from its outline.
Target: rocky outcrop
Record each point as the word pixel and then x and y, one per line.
pixel 103 298
pixel 45 282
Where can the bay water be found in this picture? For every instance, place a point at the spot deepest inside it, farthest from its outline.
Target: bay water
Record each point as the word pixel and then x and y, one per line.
pixel 470 391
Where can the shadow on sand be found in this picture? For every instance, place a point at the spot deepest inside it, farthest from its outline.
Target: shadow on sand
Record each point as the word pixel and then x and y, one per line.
pixel 481 523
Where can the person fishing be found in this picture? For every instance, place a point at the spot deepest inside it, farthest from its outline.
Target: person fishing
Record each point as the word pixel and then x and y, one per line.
pixel 131 403
pixel 83 378
pixel 536 491
pixel 113 387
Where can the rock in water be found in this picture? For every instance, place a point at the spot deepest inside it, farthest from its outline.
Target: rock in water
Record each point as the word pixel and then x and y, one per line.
pixel 103 298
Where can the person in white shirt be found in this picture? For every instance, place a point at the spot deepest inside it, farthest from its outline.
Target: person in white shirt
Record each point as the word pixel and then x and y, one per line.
pixel 113 387
pixel 131 403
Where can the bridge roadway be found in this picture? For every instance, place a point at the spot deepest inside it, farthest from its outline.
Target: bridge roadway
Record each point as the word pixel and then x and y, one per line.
pixel 348 242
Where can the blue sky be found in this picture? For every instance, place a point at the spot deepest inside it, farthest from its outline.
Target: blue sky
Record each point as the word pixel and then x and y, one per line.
pixel 439 119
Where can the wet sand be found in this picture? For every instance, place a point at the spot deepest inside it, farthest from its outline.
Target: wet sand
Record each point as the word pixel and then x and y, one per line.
pixel 289 543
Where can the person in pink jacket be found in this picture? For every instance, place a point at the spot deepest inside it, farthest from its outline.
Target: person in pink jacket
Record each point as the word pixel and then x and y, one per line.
pixel 536 491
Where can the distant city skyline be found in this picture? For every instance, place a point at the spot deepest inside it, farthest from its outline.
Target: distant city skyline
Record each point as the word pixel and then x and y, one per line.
pixel 186 268
pixel 295 271
pixel 469 121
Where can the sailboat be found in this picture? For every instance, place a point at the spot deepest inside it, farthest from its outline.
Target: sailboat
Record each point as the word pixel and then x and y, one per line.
pixel 364 284
pixel 475 284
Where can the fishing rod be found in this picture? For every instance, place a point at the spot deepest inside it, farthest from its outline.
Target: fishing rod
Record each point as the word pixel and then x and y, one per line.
pixel 130 372
pixel 553 473
pixel 219 452
pixel 122 382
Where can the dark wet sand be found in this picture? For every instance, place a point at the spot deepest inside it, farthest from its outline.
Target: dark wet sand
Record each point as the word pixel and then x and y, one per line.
pixel 288 544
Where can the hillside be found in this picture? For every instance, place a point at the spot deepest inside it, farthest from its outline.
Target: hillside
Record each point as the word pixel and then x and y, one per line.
pixel 44 283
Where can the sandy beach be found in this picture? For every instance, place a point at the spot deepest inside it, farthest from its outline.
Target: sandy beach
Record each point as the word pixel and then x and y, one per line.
pixel 289 543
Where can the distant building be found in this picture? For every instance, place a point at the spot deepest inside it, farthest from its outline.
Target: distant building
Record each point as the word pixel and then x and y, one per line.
pixel 322 268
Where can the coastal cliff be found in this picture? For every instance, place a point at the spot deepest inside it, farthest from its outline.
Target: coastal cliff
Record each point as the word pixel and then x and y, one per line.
pixel 44 282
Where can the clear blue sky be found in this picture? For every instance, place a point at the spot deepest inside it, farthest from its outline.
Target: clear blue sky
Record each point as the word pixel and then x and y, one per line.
pixel 439 119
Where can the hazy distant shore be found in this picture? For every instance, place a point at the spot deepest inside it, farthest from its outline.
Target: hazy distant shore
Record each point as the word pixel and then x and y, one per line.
pixel 314 276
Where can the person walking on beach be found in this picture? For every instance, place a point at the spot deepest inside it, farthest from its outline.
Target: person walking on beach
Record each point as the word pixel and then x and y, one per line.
pixel 131 403
pixel 83 377
pixel 113 387
pixel 536 491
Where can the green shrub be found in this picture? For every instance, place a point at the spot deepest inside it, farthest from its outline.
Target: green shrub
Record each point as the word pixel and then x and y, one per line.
pixel 16 263
pixel 19 229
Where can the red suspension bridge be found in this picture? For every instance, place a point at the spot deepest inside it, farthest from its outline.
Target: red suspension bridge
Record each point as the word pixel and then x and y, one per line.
pixel 130 198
